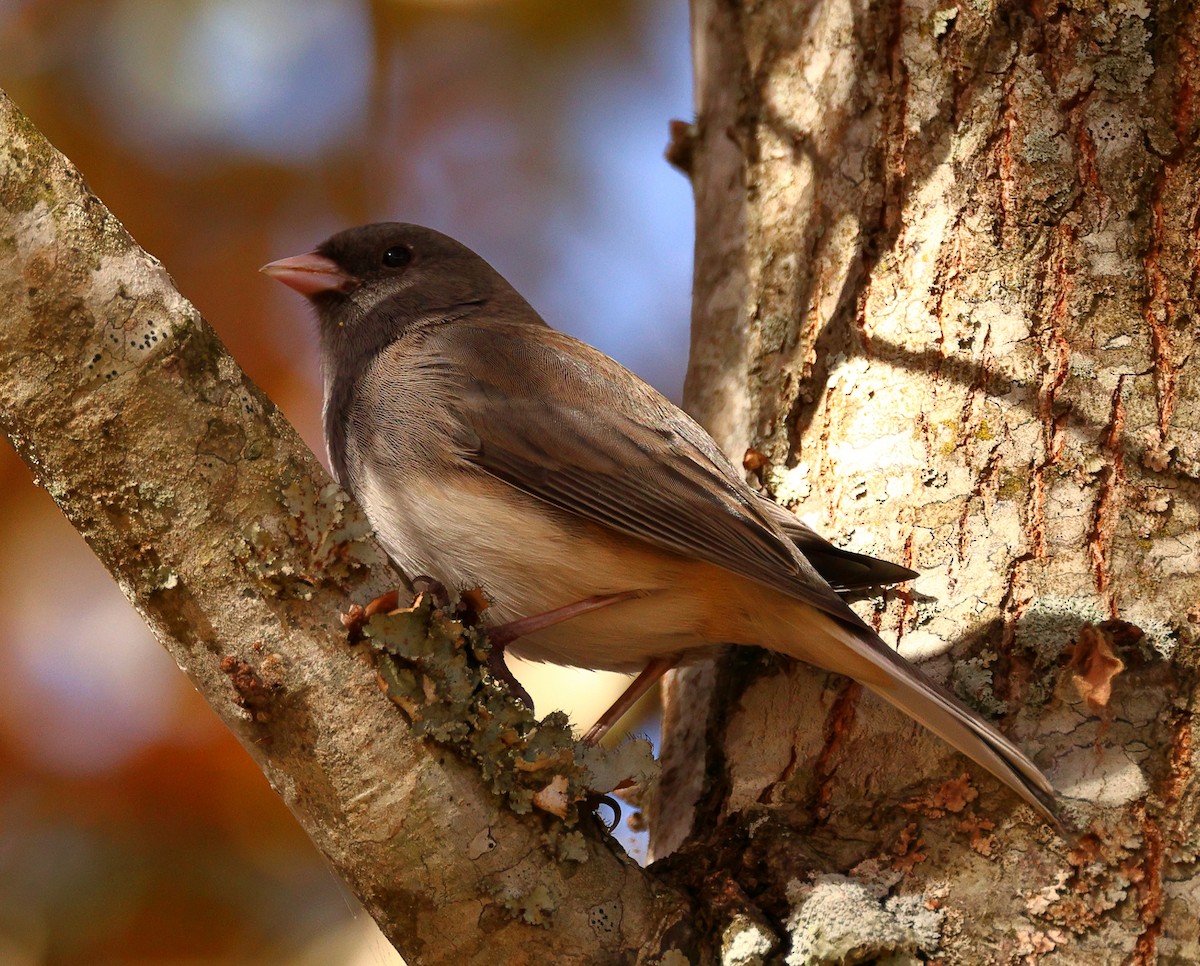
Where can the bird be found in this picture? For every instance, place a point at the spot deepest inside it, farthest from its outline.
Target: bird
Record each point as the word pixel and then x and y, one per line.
pixel 605 527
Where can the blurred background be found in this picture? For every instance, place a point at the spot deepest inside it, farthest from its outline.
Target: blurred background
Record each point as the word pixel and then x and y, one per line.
pixel 225 133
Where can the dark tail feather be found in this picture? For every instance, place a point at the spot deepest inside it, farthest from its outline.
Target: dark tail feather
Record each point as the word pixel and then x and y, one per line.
pixel 948 718
pixel 945 715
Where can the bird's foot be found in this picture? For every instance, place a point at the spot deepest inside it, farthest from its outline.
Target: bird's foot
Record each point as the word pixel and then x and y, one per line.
pixel 356 616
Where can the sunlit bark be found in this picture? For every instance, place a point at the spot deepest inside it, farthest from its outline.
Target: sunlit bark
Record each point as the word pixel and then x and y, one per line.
pixel 946 269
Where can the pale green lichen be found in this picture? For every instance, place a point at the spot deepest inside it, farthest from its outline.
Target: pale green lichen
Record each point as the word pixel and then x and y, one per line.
pixel 791 487
pixel 1052 621
pixel 913 914
pixel 943 20
pixel 974 683
pixel 745 942
pixel 160 578
pixel 1050 627
pixel 607 767
pixel 1044 147
pixel 156 495
pixel 320 539
pixel 836 919
pixel 568 846
pixel 1126 64
pixel 26 155
pixel 1159 639
pixel 535 906
pixel 434 667
pixel 775 332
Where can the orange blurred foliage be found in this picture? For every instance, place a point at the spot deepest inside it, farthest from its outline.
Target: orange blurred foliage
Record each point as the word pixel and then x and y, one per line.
pixel 224 133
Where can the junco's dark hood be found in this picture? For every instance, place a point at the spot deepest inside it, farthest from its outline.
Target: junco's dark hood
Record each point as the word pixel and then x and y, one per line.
pixel 372 283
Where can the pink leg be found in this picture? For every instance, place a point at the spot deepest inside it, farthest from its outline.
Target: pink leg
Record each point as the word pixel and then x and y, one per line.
pixel 507 633
pixel 629 697
pixel 500 637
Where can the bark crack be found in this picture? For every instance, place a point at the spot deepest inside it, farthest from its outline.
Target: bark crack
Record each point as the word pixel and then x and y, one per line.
pixel 1105 507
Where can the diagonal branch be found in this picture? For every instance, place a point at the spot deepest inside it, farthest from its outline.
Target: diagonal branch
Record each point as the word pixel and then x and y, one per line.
pixel 225 533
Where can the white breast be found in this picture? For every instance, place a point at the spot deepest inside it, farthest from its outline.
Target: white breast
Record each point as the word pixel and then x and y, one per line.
pixel 529 559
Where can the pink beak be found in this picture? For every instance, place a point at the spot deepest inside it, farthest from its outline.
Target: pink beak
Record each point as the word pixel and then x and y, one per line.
pixel 310 274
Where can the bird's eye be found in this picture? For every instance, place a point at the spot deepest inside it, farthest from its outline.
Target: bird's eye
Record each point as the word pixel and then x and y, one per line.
pixel 397 257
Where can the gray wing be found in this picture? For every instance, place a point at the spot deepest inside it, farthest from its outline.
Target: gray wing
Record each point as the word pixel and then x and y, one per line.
pixel 564 423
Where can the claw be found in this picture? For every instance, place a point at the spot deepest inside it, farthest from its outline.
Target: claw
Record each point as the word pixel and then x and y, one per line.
pixel 595 801
pixel 501 672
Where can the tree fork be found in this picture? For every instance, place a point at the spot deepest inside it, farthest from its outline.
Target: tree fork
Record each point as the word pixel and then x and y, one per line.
pixel 228 537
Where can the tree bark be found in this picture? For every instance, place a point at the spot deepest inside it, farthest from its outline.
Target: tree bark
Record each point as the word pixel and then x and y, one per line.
pixel 946 271
pixel 232 543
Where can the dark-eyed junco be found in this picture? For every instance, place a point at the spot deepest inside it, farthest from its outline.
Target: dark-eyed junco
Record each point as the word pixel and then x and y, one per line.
pixel 603 524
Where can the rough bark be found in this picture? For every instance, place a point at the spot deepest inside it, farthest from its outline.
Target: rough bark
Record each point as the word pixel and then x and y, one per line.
pixel 946 269
pixel 227 536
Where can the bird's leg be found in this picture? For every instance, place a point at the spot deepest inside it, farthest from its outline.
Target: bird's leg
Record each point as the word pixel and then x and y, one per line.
pixel 507 633
pixel 500 637
pixel 629 697
pixel 356 617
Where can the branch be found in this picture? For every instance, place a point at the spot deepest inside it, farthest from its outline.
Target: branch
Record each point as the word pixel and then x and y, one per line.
pixel 225 533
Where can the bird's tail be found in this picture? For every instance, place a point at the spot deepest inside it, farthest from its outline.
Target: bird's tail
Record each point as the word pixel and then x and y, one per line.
pixel 897 681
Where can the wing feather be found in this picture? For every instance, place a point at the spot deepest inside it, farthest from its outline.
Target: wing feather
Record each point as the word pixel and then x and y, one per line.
pixel 634 463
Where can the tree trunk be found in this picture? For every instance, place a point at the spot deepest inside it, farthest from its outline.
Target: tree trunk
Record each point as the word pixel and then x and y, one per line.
pixel 945 280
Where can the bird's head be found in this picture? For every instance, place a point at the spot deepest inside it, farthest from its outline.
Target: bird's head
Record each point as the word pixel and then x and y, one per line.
pixel 369 285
